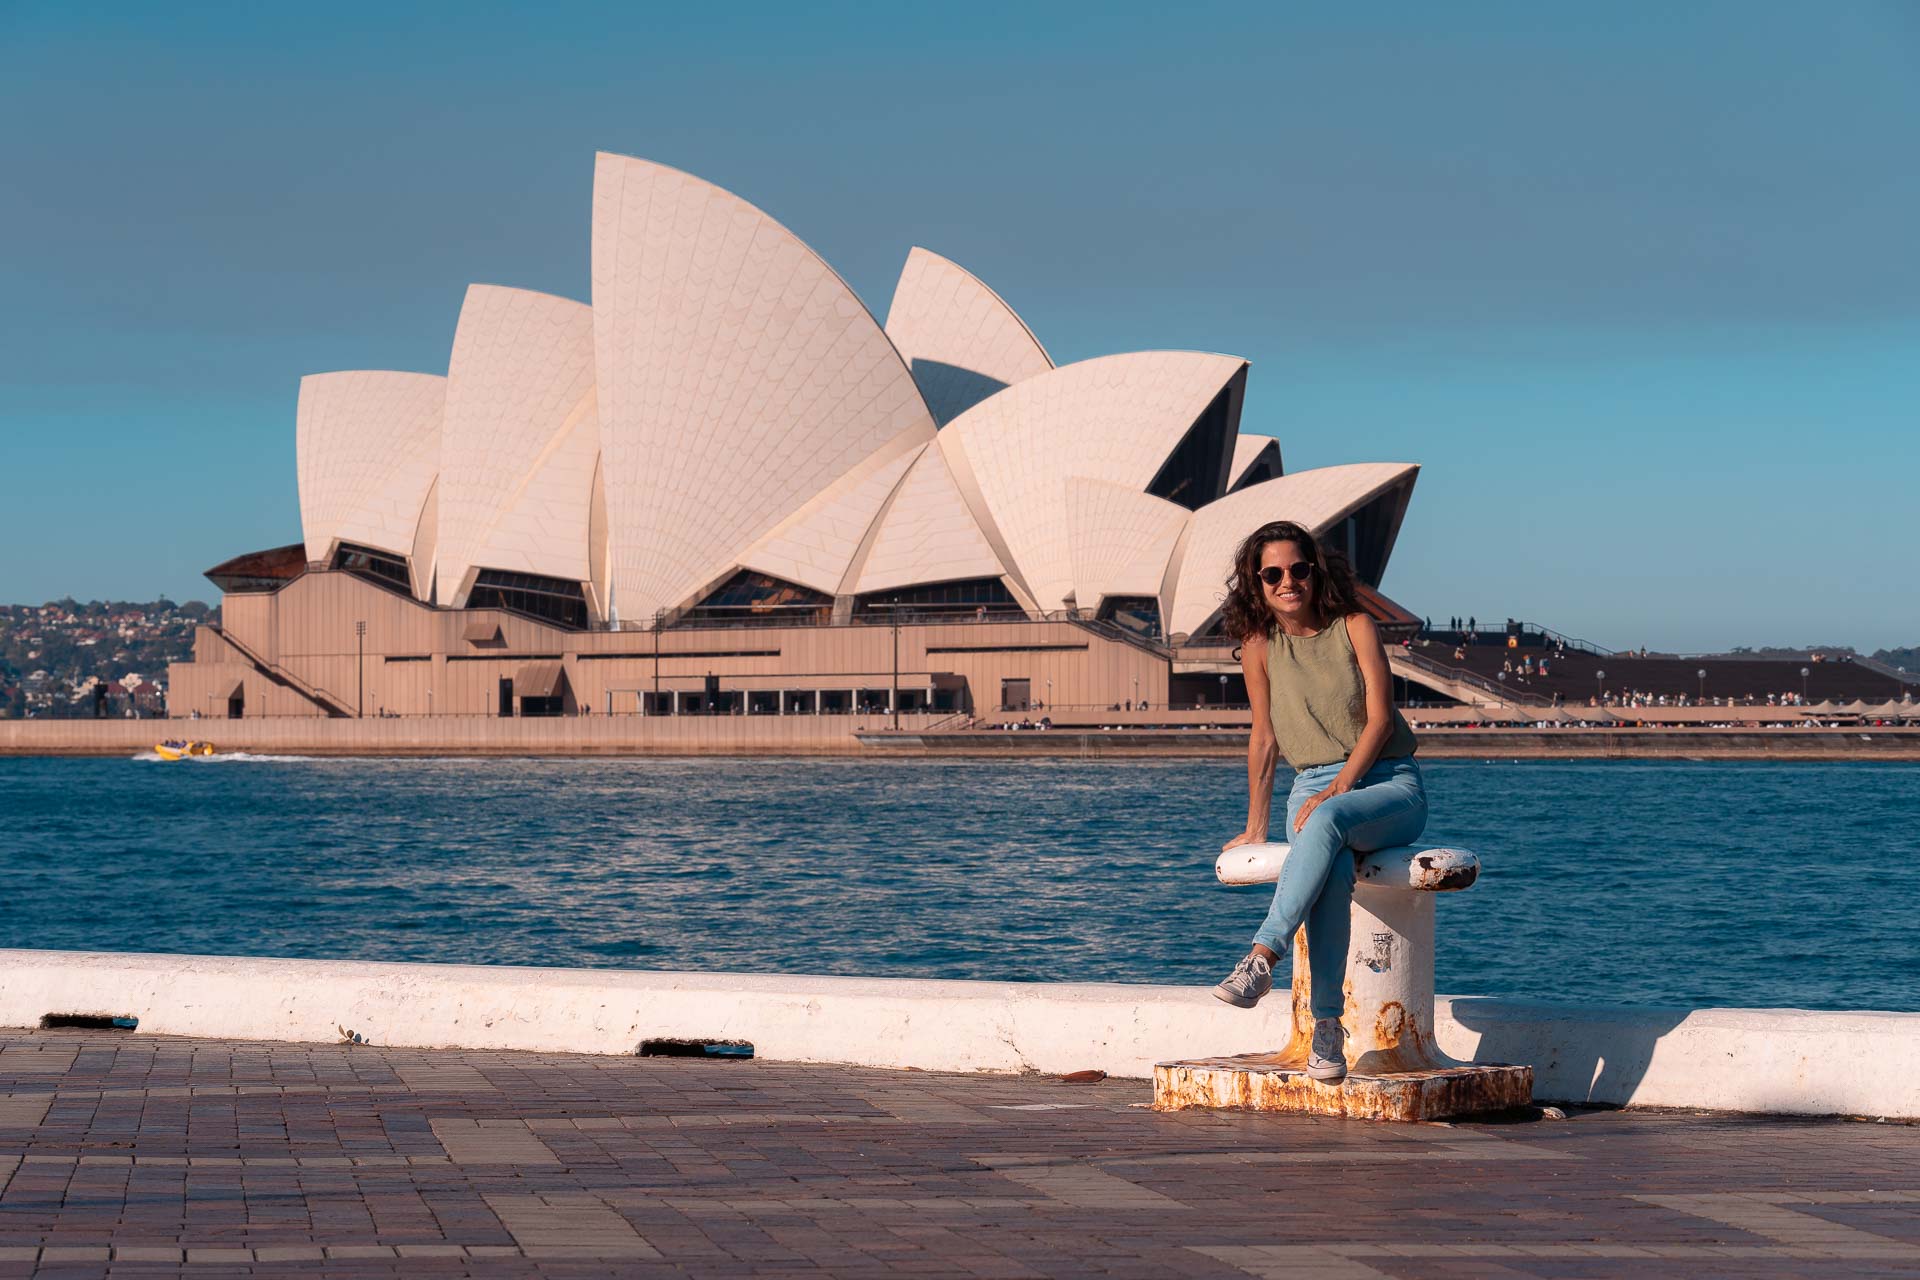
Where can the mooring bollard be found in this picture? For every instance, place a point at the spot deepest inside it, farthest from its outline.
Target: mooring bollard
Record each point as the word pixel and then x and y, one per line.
pixel 1395 1069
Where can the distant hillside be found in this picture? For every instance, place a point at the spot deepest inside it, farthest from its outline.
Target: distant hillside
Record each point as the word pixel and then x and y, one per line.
pixel 1907 658
pixel 52 653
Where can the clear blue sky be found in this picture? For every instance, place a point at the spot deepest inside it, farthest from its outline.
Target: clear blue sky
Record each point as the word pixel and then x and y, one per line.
pixel 1638 284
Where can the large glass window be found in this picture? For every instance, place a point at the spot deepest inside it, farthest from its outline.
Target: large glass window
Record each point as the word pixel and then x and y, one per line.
pixel 1367 536
pixel 552 600
pixel 1138 614
pixel 750 599
pixel 1264 467
pixel 1195 473
pixel 984 598
pixel 376 566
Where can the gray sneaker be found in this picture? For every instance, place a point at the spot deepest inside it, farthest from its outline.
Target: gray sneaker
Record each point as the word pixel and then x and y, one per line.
pixel 1327 1060
pixel 1250 979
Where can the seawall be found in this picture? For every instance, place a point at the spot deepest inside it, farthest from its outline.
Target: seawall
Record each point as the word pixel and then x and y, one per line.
pixel 1761 1060
pixel 920 735
pixel 1671 742
pixel 463 735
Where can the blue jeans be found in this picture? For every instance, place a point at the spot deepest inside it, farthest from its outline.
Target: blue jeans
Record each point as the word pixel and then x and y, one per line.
pixel 1388 808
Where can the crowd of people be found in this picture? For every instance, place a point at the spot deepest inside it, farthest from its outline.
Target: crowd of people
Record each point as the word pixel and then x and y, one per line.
pixel 1642 698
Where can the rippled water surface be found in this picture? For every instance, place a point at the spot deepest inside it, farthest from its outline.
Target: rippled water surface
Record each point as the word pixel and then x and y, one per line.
pixel 1673 883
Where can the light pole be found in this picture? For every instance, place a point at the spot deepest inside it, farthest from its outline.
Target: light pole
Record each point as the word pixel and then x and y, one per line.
pixel 429 702
pixel 360 665
pixel 1136 691
pixel 1599 685
pixel 1803 684
pixel 1500 675
pixel 658 616
pixel 1049 692
pixel 894 701
pixel 1702 673
pixel 1223 691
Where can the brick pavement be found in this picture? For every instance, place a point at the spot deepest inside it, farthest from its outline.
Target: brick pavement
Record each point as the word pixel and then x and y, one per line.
pixel 125 1154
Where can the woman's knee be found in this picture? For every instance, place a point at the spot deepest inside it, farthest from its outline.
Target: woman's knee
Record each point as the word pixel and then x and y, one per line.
pixel 1323 826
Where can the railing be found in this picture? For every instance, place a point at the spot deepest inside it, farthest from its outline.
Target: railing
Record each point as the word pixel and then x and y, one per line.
pixel 1882 668
pixel 822 616
pixel 1495 689
pixel 1114 631
pixel 1497 633
pixel 332 703
pixel 1038 708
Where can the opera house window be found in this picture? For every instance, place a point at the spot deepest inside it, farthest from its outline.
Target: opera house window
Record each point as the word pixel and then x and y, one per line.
pixel 375 566
pixel 948 599
pixel 1196 472
pixel 1138 614
pixel 750 599
pixel 552 600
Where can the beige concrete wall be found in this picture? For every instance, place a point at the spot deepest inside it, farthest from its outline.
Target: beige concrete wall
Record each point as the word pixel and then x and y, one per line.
pixel 463 735
pixel 418 660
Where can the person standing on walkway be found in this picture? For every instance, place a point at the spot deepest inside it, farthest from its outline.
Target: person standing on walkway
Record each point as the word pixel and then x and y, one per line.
pixel 1322 698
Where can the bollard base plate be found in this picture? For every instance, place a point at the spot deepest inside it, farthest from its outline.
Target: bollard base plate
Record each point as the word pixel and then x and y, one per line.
pixel 1261 1082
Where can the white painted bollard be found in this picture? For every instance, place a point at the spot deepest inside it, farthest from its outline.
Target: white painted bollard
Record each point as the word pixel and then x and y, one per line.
pixel 1395 1067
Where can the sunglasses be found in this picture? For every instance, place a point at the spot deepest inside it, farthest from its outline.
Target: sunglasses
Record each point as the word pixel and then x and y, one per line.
pixel 1273 574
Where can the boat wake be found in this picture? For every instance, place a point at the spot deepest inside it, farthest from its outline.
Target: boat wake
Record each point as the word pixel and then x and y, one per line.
pixel 223 757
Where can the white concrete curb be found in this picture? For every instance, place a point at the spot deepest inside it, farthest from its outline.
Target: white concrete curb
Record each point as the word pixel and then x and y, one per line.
pixel 1777 1060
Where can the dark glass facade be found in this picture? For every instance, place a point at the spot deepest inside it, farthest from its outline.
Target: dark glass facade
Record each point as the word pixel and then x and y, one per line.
pixel 1265 466
pixel 750 599
pixel 555 600
pixel 1368 534
pixel 1138 614
pixel 1195 473
pixel 376 566
pixel 940 600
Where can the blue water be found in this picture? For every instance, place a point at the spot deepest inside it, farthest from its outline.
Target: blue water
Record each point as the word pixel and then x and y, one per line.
pixel 1668 883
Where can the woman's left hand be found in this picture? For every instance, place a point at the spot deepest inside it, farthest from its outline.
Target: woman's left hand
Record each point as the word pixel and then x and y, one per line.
pixel 1313 802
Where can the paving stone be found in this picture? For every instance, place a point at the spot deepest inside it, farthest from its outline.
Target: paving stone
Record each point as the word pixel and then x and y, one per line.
pixel 157 1152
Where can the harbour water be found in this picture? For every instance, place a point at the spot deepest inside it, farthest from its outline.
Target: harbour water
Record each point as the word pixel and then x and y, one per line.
pixel 1620 882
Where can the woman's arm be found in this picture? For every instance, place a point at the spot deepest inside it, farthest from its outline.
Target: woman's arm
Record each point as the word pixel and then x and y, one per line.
pixel 1263 751
pixel 1372 658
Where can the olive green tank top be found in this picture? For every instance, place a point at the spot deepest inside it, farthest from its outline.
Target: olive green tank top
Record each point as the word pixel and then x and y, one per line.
pixel 1319 698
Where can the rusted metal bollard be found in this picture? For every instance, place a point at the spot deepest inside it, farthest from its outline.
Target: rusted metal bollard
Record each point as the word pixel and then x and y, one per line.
pixel 1395 1069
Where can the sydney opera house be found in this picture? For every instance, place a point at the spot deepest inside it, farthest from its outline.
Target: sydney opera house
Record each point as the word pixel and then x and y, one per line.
pixel 725 487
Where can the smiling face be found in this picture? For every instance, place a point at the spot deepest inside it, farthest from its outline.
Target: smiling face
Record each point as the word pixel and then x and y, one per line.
pixel 1291 598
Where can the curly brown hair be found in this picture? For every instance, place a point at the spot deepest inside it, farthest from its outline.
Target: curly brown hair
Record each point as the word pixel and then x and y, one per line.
pixel 1245 616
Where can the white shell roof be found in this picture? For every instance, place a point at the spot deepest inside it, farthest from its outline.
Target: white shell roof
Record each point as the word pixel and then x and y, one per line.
pixel 738 378
pixel 925 534
pixel 727 402
pixel 1120 539
pixel 962 342
pixel 1316 499
pixel 521 437
pixel 1115 418
pixel 815 547
pixel 543 528
pixel 367 448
